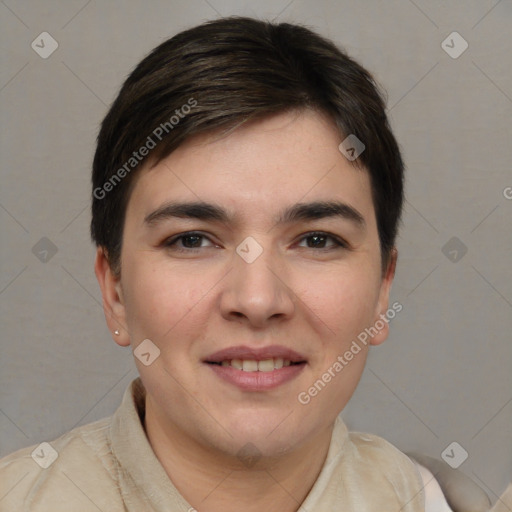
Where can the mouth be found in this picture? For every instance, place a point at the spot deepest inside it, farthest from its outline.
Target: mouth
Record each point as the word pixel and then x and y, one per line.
pixel 256 369
pixel 253 365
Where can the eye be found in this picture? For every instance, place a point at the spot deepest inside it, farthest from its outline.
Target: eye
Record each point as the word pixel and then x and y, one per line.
pixel 320 240
pixel 187 242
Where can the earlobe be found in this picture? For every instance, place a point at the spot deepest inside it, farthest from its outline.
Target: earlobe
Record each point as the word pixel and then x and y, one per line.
pixel 381 322
pixel 113 301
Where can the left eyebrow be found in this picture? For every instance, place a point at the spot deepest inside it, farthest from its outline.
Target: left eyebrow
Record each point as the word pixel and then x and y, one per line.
pixel 321 210
pixel 299 212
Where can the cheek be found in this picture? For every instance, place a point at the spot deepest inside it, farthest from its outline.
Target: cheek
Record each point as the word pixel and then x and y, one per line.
pixel 343 303
pixel 159 300
pixel 343 307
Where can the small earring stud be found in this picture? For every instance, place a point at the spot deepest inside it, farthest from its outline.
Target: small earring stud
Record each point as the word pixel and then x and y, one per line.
pixel 116 332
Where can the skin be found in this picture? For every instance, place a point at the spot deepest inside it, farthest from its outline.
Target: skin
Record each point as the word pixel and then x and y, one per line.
pixel 193 302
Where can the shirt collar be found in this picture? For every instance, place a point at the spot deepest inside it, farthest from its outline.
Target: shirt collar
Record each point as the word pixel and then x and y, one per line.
pixel 140 471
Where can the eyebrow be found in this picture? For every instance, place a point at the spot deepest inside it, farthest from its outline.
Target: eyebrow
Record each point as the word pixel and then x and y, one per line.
pixel 299 212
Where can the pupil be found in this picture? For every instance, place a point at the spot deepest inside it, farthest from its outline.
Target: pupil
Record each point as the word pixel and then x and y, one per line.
pixel 317 240
pixel 195 239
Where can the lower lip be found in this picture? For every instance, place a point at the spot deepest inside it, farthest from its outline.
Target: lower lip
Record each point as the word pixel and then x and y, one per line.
pixel 257 381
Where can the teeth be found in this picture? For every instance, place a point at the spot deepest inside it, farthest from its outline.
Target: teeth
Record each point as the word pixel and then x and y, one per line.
pixel 237 363
pixel 266 366
pixel 251 365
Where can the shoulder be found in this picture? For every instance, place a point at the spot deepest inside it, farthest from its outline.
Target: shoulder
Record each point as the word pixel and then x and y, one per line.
pixel 376 450
pixel 383 465
pixel 74 472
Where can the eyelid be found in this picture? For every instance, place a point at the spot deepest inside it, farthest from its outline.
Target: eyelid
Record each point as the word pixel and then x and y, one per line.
pixel 338 241
pixel 171 241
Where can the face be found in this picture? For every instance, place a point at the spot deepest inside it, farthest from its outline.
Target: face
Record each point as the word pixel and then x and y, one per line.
pixel 252 263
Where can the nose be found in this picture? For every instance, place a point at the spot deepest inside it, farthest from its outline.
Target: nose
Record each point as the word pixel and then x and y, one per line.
pixel 256 293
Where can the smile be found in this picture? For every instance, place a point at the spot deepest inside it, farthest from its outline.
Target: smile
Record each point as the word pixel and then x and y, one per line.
pixel 256 369
pixel 252 365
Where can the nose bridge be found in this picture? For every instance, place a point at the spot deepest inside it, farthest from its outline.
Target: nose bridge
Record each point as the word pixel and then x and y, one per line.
pixel 255 287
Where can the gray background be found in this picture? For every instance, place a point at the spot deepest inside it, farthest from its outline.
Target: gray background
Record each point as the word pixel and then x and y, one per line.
pixel 444 375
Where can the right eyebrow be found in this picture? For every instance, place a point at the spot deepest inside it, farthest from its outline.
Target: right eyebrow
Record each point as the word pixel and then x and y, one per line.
pixel 196 210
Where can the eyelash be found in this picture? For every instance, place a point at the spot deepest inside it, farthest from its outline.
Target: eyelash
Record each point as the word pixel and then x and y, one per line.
pixel 338 243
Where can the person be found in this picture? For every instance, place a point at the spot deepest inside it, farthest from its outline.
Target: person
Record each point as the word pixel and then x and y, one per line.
pixel 246 196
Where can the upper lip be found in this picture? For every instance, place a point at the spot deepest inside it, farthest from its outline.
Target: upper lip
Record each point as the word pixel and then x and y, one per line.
pixel 256 354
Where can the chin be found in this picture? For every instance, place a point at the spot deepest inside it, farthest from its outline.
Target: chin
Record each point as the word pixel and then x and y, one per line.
pixel 270 435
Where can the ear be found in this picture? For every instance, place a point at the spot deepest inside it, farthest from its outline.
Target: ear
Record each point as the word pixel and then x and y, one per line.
pixel 113 303
pixel 383 302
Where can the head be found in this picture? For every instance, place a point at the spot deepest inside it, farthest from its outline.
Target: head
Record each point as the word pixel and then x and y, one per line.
pixel 229 133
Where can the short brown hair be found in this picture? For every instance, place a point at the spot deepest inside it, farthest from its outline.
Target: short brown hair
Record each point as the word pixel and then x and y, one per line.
pixel 226 72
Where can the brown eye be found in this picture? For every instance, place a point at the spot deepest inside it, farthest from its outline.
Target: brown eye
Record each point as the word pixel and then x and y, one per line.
pixel 322 240
pixel 191 241
pixel 187 242
pixel 316 241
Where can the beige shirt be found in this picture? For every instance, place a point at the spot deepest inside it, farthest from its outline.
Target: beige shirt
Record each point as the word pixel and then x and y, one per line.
pixel 110 466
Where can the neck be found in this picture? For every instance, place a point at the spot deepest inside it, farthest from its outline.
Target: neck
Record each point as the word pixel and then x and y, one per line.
pixel 212 481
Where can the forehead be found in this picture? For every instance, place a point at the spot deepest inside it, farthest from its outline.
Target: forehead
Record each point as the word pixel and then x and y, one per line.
pixel 258 168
